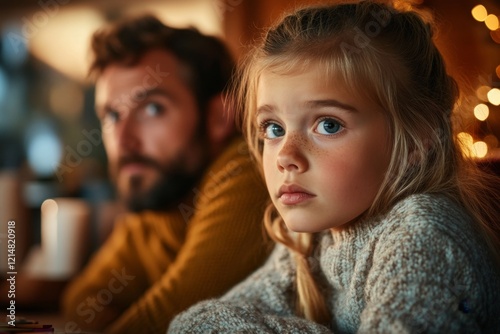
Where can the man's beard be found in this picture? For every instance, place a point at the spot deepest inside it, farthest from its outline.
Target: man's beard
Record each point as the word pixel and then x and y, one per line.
pixel 172 186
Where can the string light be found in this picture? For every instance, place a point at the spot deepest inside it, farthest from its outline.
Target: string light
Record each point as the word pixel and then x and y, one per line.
pixel 479 13
pixel 494 96
pixel 477 149
pixel 482 93
pixel 491 141
pixel 466 143
pixel 480 149
pixel 481 111
pixel 491 22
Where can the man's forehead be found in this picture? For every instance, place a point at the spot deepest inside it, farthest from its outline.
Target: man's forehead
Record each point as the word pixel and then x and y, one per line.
pixel 118 79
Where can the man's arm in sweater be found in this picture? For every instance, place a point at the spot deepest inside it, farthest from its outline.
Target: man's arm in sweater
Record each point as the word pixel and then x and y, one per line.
pixel 224 243
pixel 113 280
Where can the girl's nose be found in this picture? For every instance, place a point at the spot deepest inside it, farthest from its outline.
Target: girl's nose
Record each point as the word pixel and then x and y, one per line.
pixel 291 156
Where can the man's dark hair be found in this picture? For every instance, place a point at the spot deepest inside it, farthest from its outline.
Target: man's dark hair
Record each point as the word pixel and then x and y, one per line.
pixel 207 60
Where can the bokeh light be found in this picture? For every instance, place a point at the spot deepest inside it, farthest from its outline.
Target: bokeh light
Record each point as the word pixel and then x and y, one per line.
pixel 494 96
pixel 495 36
pixel 482 93
pixel 43 148
pixel 481 111
pixel 480 149
pixel 479 13
pixel 491 22
pixel 491 141
pixel 466 143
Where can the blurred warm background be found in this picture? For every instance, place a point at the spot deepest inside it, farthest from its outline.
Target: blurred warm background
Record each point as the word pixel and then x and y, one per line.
pixel 50 138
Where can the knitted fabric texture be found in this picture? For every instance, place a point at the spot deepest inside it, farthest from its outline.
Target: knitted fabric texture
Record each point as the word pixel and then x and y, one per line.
pixel 420 268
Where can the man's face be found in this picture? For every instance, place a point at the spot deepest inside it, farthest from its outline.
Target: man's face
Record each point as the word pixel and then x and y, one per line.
pixel 150 128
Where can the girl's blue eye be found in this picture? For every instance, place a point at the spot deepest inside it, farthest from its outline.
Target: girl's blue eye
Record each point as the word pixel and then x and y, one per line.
pixel 329 126
pixel 273 130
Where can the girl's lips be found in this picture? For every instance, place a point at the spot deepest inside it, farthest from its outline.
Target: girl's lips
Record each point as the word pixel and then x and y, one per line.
pixel 292 194
pixel 294 198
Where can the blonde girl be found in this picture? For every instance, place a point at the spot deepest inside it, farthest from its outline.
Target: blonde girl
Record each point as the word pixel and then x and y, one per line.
pixel 383 226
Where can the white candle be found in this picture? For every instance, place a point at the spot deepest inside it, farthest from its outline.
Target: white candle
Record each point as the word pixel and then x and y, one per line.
pixel 49 243
pixel 64 235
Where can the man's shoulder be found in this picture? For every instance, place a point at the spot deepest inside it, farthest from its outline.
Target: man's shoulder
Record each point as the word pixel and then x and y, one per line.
pixel 232 184
pixel 234 167
pixel 236 152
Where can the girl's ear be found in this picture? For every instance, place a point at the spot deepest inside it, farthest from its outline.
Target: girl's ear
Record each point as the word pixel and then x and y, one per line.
pixel 220 122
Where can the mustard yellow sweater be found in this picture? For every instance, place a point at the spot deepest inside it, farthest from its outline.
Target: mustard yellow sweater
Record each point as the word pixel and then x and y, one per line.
pixel 155 265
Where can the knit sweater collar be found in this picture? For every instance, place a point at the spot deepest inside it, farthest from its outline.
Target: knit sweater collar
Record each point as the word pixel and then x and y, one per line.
pixel 360 230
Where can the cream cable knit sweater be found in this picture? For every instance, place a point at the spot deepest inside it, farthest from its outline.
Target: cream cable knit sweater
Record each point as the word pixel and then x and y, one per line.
pixel 419 269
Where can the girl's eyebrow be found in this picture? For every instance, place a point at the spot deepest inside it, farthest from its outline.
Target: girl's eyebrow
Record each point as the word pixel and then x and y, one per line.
pixel 315 104
pixel 264 108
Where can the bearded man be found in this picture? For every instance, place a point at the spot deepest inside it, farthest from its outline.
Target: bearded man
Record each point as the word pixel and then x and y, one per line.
pixel 195 201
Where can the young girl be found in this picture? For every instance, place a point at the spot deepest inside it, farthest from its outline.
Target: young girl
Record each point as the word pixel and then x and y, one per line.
pixel 382 224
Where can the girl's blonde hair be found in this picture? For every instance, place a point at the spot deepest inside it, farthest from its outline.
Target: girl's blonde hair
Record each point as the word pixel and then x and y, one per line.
pixel 388 56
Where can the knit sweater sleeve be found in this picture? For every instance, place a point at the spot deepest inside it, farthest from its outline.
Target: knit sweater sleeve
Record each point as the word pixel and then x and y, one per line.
pixel 424 277
pixel 263 303
pixel 173 260
pixel 110 282
pixel 224 243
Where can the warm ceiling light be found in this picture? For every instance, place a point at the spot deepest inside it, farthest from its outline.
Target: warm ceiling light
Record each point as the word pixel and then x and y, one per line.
pixel 491 22
pixel 205 15
pixel 479 13
pixel 64 41
pixel 481 111
pixel 494 96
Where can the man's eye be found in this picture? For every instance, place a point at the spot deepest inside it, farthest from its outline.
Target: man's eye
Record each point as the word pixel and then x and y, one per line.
pixel 329 126
pixel 153 109
pixel 273 130
pixel 111 116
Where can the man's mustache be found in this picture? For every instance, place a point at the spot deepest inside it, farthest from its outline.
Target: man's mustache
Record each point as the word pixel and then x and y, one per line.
pixel 140 159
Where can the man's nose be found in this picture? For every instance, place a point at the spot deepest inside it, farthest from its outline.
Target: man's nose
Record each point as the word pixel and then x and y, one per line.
pixel 128 134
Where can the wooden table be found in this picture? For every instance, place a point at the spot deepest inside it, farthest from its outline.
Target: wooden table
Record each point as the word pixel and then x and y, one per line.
pixel 61 326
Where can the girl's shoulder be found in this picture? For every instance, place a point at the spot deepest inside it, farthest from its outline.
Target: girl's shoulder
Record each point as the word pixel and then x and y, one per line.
pixel 428 206
pixel 427 247
pixel 431 219
pixel 429 211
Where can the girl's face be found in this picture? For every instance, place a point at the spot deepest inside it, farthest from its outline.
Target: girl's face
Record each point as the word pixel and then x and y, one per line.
pixel 326 151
